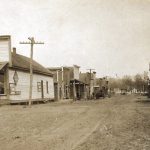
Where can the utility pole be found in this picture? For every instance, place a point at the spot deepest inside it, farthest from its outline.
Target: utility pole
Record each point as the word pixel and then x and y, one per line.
pixel 90 81
pixel 58 84
pixel 149 82
pixel 31 42
pixel 62 82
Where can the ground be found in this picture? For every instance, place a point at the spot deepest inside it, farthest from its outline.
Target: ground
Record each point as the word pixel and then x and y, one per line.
pixel 116 123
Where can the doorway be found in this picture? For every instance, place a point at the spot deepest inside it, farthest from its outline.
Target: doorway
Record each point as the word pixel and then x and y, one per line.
pixel 42 89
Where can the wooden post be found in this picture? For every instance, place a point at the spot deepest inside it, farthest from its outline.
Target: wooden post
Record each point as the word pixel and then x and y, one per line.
pixel 31 74
pixel 74 91
pixel 32 42
pixel 79 90
pixel 57 76
pixel 67 90
pixel 85 92
pixel 58 85
pixel 7 83
pixel 90 83
pixel 62 84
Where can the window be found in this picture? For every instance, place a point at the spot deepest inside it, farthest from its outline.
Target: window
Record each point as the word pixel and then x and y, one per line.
pixel 39 86
pixel 2 86
pixel 47 87
pixel 12 89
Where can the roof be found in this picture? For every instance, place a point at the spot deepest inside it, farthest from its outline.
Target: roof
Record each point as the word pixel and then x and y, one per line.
pixel 4 37
pixel 23 63
pixel 64 67
pixel 76 66
pixel 77 81
pixel 2 65
pixel 58 68
pixel 55 69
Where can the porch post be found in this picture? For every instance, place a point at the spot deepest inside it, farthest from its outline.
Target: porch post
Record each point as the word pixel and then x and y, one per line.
pixel 62 84
pixel 58 86
pixel 85 96
pixel 57 91
pixel 7 84
pixel 74 90
pixel 79 90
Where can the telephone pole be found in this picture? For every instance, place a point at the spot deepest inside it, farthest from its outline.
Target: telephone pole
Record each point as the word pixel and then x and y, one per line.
pixel 31 42
pixel 149 82
pixel 90 81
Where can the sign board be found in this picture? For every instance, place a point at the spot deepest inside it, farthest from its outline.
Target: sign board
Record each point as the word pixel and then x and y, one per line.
pixel 5 48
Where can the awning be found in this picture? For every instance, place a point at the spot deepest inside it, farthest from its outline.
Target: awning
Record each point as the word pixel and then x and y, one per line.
pixel 77 82
pixel 2 65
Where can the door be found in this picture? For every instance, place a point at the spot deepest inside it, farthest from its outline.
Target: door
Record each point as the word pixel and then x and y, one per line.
pixel 42 89
pixel 56 91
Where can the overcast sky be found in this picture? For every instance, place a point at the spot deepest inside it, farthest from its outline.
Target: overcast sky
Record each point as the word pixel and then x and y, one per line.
pixel 110 36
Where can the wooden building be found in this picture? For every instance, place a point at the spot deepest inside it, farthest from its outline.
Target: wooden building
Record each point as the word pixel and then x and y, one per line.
pixel 90 80
pixel 15 76
pixel 67 83
pixel 94 84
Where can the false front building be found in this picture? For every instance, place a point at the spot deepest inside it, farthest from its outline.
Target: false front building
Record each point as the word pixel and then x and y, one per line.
pixel 67 83
pixel 15 76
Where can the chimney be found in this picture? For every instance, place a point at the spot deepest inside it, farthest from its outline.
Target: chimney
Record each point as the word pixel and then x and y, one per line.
pixel 14 50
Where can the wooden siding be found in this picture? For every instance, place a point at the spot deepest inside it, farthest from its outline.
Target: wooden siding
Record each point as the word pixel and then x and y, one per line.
pixel 76 72
pixel 4 51
pixel 22 86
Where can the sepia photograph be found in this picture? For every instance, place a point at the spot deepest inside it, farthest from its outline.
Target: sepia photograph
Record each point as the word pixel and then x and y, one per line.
pixel 75 75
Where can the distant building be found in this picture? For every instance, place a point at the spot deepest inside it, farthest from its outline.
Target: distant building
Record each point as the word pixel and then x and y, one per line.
pixel 103 83
pixel 67 83
pixel 15 76
pixel 90 80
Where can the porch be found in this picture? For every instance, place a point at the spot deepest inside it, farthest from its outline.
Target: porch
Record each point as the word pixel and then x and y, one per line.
pixel 78 89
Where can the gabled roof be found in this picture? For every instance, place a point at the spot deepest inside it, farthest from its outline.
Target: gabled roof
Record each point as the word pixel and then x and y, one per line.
pixel 23 63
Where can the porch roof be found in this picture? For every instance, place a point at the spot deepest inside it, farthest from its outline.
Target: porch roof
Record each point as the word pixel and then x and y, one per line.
pixel 77 81
pixel 2 65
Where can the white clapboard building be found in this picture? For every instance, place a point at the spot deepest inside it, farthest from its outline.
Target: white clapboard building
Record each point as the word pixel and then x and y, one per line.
pixel 15 76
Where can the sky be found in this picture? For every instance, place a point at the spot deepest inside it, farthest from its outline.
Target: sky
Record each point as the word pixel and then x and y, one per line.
pixel 110 36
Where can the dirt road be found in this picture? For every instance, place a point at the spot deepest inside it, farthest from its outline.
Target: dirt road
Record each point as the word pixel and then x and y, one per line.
pixel 120 122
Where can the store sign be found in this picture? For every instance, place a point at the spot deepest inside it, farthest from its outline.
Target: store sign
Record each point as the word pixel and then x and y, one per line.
pixel 15 78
